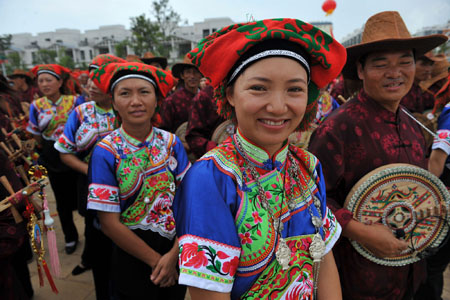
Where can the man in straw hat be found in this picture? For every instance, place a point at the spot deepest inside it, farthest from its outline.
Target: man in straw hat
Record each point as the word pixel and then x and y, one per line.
pixel 439 165
pixel 23 84
pixel 439 83
pixel 157 61
pixel 175 108
pixel 367 132
pixel 418 100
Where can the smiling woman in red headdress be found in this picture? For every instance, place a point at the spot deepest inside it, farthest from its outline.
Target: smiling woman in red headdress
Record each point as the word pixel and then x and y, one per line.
pixel 251 214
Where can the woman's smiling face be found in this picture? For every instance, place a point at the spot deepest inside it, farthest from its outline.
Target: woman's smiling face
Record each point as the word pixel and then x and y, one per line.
pixel 269 99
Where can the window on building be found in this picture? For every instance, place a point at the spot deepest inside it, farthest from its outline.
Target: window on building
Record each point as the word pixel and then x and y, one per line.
pixel 82 55
pixel 47 40
pixel 214 30
pixel 90 55
pixel 205 32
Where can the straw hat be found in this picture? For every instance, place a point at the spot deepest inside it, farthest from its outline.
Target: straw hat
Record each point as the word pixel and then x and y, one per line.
pixel 22 73
pixel 149 58
pixel 387 31
pixel 133 58
pixel 438 72
pixel 178 68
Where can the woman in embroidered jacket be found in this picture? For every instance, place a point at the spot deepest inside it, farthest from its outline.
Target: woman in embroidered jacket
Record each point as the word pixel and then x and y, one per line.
pixel 48 115
pixel 89 123
pixel 133 176
pixel 251 214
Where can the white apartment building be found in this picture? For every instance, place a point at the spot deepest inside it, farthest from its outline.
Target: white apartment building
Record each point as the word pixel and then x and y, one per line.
pixel 82 47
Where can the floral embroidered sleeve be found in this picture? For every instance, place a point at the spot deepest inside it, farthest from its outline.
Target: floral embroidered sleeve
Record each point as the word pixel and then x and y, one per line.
pixel 443 131
pixel 33 120
pixel 103 188
pixel 66 142
pixel 209 244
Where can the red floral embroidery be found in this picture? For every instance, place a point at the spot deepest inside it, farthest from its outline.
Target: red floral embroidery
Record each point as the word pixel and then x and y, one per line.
pixel 155 151
pixel 222 255
pixel 102 194
pixel 256 218
pixel 170 223
pixel 230 267
pixel 245 238
pixel 192 256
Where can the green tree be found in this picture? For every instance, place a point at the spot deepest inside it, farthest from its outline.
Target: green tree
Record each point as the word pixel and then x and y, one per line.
pixel 44 56
pixel 67 61
pixel 154 36
pixel 14 62
pixel 146 35
pixel 121 48
pixel 5 43
pixel 166 18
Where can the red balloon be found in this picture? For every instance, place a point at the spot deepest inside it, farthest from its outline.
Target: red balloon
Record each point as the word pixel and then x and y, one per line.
pixel 329 6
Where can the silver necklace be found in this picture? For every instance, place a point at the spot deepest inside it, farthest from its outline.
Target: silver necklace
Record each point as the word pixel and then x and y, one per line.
pixel 283 253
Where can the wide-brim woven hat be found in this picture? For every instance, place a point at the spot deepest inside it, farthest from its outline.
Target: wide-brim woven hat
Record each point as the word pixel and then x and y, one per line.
pixel 21 73
pixel 178 68
pixel 387 31
pixel 150 58
pixel 438 72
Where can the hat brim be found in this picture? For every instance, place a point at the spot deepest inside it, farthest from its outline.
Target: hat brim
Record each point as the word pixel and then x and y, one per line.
pixel 162 61
pixel 178 68
pixel 420 45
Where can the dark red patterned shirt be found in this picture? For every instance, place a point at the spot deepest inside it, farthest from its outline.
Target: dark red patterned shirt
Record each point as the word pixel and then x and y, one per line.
pixel 417 100
pixel 31 94
pixel 203 120
pixel 355 139
pixel 175 109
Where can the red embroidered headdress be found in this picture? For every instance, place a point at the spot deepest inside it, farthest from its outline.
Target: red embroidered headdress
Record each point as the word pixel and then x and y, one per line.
pixel 219 53
pixel 107 75
pixel 104 59
pixel 53 69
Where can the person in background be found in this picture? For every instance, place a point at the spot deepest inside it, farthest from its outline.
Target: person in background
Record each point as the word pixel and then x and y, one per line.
pixel 418 100
pixel 156 61
pixel 47 118
pixel 89 123
pixel 10 108
pixel 438 164
pixel 175 108
pixel 23 83
pixel 133 176
pixel 203 120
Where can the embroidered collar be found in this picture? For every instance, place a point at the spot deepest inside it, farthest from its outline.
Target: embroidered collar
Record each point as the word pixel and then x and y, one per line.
pixel 102 111
pixel 56 103
pixel 260 156
pixel 135 142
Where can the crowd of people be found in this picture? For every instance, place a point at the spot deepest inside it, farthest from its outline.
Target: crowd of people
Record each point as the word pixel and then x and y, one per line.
pixel 259 213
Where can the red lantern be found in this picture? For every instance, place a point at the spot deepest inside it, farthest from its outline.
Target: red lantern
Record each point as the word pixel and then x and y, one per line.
pixel 329 6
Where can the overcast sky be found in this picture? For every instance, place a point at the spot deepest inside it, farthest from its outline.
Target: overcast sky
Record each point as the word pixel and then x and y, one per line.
pixel 34 16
